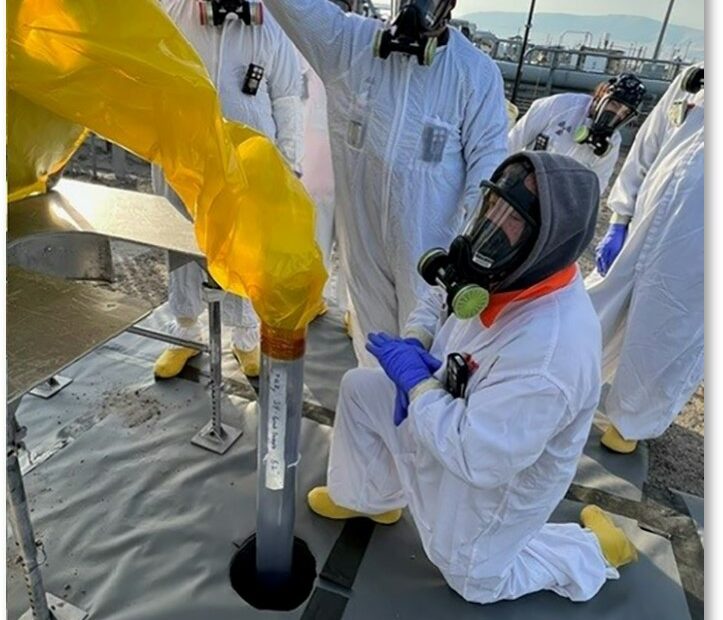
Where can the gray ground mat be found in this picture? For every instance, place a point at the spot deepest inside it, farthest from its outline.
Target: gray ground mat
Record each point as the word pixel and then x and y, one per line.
pixel 136 522
pixel 696 509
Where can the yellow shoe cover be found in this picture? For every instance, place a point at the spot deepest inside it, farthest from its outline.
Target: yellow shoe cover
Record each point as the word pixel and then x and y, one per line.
pixel 613 440
pixel 320 502
pixel 347 323
pixel 249 361
pixel 615 545
pixel 172 361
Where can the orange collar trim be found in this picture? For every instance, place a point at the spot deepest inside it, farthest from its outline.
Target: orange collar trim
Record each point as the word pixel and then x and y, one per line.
pixel 499 301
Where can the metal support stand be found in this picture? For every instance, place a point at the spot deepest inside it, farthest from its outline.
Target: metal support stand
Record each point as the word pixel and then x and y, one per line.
pixel 42 606
pixel 215 436
pixel 51 387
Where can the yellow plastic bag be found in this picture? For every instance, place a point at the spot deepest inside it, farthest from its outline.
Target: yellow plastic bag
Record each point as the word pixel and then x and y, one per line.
pixel 123 70
pixel 39 144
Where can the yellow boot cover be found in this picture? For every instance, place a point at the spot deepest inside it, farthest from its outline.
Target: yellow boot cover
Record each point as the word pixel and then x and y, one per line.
pixel 172 361
pixel 613 440
pixel 615 545
pixel 124 71
pixel 322 504
pixel 248 361
pixel 347 323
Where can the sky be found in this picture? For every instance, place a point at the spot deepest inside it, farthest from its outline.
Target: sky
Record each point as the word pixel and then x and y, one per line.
pixel 685 12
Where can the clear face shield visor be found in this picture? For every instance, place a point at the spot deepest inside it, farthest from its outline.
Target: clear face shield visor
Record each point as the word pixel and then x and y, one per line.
pixel 503 225
pixel 611 114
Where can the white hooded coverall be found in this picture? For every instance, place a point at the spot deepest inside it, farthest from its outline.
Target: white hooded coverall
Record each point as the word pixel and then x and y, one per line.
pixel 275 110
pixel 650 302
pixel 482 474
pixel 318 172
pixel 410 145
pixel 552 121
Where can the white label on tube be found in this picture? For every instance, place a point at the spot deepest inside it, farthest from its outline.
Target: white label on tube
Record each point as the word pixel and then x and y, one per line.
pixel 276 430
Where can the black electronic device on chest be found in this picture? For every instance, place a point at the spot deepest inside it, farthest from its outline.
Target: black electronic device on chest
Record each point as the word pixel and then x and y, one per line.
pixel 541 142
pixel 457 375
pixel 253 78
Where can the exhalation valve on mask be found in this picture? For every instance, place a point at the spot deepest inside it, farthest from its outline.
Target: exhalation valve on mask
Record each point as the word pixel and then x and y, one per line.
pixel 215 12
pixel 415 30
pixel 465 299
pixel 598 141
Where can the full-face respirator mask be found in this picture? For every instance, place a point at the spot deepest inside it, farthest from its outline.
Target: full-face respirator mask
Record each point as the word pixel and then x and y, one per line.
pixel 215 12
pixel 495 242
pixel 619 104
pixel 418 28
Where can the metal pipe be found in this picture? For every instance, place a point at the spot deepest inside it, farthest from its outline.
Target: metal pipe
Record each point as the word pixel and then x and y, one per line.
pixel 518 76
pixel 214 341
pixel 279 425
pixel 19 517
pixel 664 27
pixel 163 337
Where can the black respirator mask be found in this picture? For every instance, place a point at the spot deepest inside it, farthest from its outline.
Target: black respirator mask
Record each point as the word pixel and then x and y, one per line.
pixel 693 80
pixel 215 12
pixel 495 242
pixel 416 30
pixel 617 106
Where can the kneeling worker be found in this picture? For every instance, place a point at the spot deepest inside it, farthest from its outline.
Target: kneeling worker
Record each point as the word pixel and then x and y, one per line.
pixel 481 449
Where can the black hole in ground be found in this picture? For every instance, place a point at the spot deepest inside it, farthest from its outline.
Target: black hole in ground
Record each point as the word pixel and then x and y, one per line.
pixel 283 596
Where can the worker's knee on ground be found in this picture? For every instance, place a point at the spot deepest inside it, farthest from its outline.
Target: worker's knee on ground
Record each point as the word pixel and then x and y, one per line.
pixel 359 383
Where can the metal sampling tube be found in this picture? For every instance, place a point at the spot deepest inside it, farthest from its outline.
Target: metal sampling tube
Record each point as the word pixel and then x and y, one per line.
pixel 280 401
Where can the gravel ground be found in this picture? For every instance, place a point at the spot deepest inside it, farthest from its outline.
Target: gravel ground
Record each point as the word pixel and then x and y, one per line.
pixel 676 458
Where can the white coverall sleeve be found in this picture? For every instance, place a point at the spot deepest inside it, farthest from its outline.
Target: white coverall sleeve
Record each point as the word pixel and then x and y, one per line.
pixel 646 146
pixel 425 319
pixel 286 107
pixel 327 37
pixel 527 128
pixel 484 137
pixel 497 432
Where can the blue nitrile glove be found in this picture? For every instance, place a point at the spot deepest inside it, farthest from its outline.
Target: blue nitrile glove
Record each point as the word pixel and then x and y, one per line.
pixel 406 363
pixel 609 247
pixel 401 405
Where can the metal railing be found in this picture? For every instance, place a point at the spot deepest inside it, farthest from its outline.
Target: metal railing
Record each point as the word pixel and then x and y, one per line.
pixel 586 60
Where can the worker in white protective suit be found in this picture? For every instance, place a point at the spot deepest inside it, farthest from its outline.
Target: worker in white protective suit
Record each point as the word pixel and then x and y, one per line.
pixel 648 289
pixel 584 127
pixel 256 71
pixel 480 436
pixel 416 121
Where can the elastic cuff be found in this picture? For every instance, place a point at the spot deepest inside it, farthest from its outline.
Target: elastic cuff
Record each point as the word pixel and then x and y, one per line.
pixel 420 334
pixel 618 218
pixel 423 387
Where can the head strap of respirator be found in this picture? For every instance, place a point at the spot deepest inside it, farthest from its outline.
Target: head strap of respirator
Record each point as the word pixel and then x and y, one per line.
pixel 495 242
pixel 215 12
pixel 417 29
pixel 617 104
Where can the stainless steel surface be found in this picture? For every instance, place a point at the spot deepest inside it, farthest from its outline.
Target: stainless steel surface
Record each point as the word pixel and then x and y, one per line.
pixel 84 208
pixel 215 436
pixel 51 387
pixel 51 323
pixel 164 337
pixel 61 610
pixel 67 255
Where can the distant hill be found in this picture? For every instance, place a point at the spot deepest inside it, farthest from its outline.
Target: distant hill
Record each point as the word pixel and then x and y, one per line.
pixel 624 30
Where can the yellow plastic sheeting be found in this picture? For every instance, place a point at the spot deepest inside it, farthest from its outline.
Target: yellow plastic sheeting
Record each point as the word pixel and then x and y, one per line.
pixel 122 69
pixel 39 144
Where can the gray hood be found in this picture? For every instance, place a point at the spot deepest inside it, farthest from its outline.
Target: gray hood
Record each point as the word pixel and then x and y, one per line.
pixel 569 194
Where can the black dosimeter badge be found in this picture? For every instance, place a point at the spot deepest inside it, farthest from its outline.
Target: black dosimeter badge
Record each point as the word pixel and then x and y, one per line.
pixel 252 81
pixel 457 375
